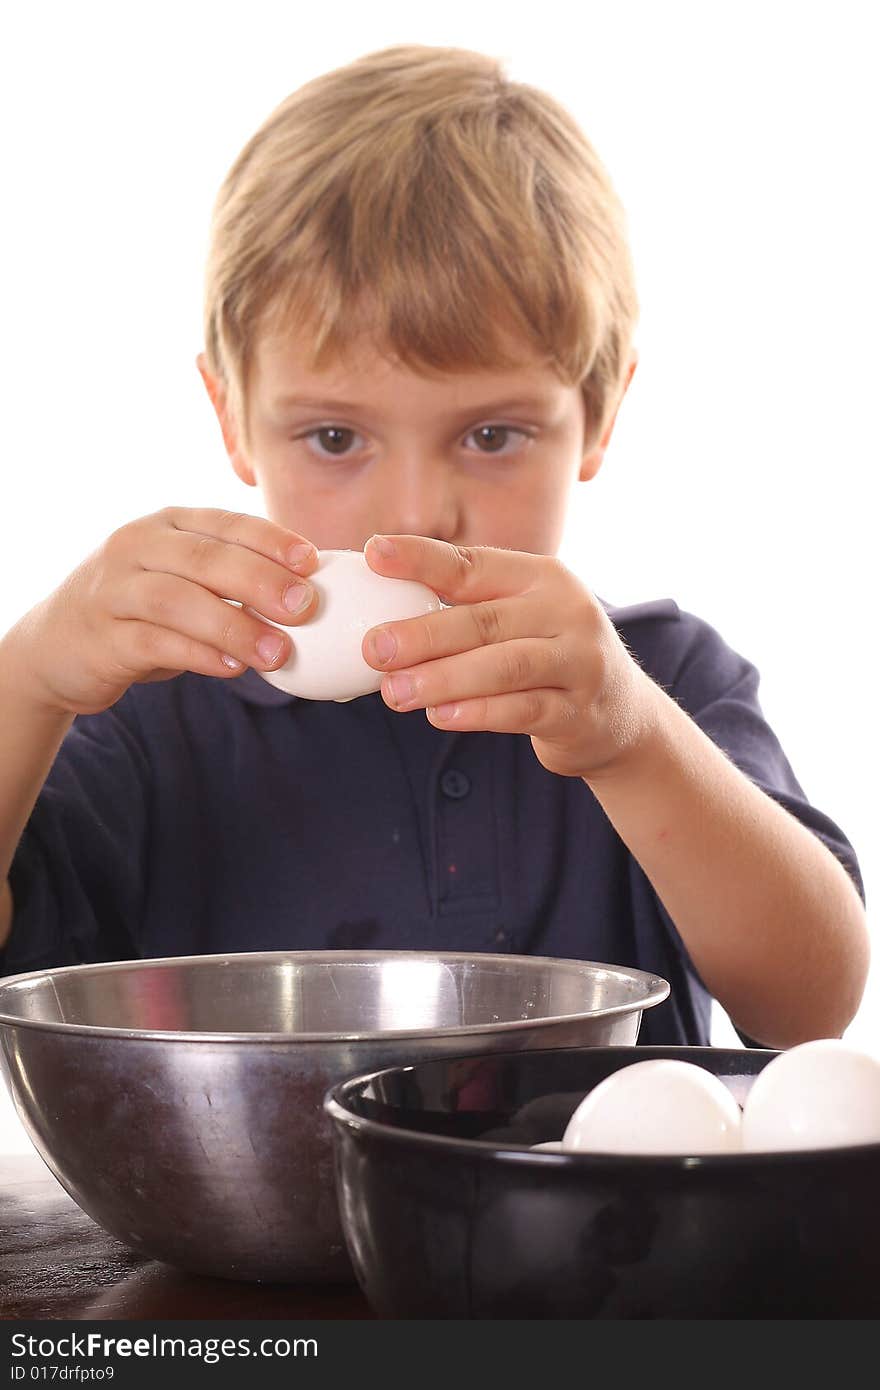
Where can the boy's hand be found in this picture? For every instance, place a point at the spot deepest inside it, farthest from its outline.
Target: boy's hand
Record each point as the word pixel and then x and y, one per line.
pixel 149 604
pixel 525 649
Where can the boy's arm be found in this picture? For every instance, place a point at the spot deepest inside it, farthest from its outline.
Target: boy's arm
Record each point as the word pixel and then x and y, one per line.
pixel 768 915
pixel 147 605
pixel 30 736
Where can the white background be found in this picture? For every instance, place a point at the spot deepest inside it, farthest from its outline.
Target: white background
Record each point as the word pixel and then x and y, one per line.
pixel 742 141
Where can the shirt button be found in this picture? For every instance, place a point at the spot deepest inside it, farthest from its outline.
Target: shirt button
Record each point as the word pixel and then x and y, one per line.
pixel 455 784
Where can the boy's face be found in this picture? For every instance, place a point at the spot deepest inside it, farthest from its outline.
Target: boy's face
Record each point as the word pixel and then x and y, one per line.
pixel 477 458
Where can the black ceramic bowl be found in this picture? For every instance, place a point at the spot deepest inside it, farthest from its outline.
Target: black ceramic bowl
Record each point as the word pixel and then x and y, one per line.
pixel 449 1214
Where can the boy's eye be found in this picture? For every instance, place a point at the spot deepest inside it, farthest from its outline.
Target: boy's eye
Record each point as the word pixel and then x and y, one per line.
pixel 492 438
pixel 336 439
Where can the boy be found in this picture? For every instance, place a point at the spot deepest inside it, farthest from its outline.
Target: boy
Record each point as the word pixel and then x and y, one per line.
pixel 419 323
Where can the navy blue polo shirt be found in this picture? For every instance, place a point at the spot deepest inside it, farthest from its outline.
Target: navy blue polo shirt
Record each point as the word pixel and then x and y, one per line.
pixel 200 815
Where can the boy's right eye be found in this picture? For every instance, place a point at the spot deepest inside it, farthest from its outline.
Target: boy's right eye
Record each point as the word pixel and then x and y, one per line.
pixel 337 438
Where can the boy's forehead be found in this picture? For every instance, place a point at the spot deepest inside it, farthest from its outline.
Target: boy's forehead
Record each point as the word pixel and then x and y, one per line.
pixel 283 376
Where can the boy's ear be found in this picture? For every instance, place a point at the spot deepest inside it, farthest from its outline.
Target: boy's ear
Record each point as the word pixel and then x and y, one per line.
pixel 217 392
pixel 592 459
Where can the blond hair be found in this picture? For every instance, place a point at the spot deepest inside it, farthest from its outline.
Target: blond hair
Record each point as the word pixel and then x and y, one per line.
pixel 419 198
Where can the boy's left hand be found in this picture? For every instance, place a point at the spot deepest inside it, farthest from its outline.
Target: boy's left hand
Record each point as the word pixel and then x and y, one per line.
pixel 525 648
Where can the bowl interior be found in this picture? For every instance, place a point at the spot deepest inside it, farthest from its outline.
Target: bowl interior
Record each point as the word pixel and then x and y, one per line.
pixel 332 992
pixel 516 1098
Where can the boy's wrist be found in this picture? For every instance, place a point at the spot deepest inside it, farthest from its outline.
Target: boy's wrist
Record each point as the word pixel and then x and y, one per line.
pixel 643 734
pixel 19 675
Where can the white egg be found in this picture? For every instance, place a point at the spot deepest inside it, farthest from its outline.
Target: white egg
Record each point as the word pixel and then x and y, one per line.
pixel 326 661
pixel 816 1095
pixel 661 1106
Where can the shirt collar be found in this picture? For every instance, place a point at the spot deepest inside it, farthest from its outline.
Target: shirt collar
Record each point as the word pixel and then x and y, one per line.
pixel 253 690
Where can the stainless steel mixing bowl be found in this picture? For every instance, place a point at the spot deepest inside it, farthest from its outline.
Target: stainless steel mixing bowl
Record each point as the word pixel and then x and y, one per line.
pixel 179 1101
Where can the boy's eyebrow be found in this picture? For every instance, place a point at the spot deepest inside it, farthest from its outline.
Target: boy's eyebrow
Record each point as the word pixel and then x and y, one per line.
pixel 533 402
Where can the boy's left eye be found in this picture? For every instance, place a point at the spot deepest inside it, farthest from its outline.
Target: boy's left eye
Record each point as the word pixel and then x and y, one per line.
pixel 494 437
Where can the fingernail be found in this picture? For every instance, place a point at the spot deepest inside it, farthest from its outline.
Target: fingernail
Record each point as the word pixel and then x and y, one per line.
pixel 297 597
pixel 299 554
pixel 443 711
pixel 231 662
pixel 384 645
pixel 269 648
pixel 401 689
pixel 384 546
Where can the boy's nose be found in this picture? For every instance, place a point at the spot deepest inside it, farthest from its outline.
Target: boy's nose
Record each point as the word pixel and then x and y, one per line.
pixel 421 500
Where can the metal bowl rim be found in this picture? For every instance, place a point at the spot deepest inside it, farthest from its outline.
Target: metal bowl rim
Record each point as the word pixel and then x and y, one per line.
pixel 657 989
pixel 487 1151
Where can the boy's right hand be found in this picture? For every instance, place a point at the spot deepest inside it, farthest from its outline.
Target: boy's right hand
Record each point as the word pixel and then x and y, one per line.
pixel 149 604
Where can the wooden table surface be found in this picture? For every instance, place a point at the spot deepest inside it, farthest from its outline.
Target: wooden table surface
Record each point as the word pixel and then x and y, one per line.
pixel 56 1263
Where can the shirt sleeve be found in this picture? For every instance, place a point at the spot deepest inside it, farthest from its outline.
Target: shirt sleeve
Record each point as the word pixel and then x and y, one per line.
pixel 718 688
pixel 77 876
